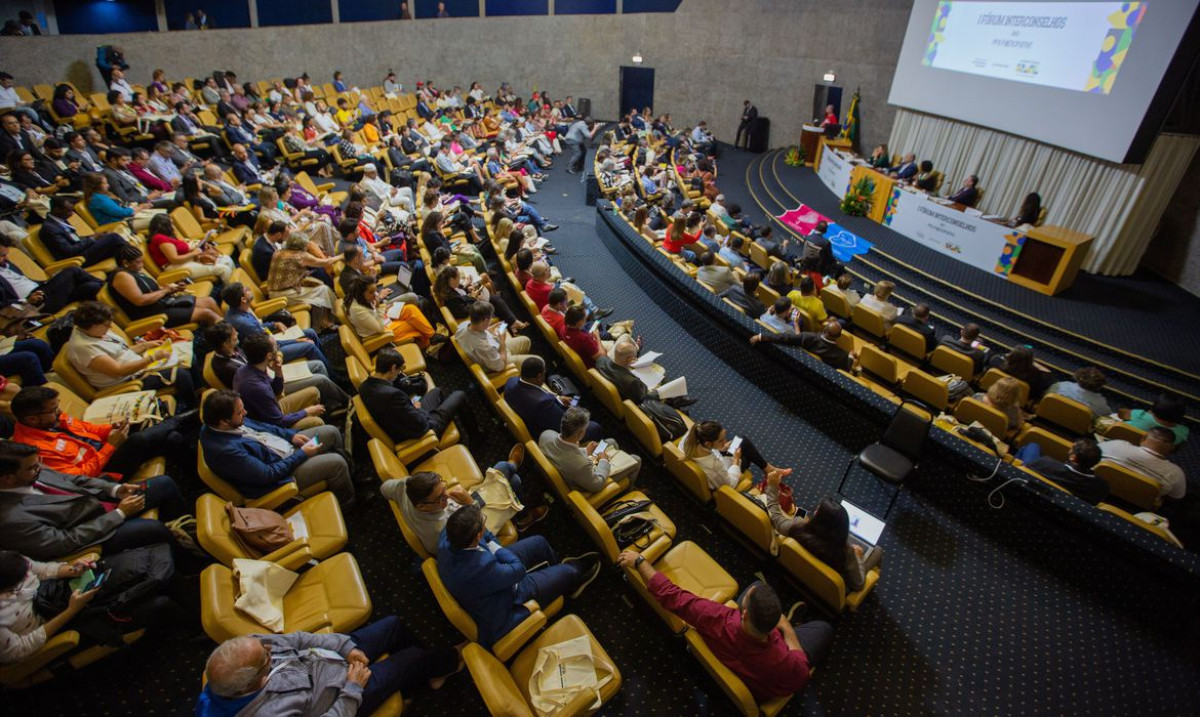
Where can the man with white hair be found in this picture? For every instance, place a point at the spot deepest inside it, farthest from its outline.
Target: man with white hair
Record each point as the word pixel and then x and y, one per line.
pixel 303 673
pixel 383 194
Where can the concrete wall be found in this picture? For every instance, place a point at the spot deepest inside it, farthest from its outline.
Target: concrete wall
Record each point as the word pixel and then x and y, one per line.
pixel 708 56
pixel 1175 252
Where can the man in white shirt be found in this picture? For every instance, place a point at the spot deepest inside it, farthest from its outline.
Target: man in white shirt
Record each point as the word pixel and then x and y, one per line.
pixel 702 139
pixel 448 165
pixel 486 346
pixel 163 166
pixel 1150 459
pixel 385 194
pixel 729 253
pixel 779 316
pixel 121 85
pixel 10 100
pixel 715 275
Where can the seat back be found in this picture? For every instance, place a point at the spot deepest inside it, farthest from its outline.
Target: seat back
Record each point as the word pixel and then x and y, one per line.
pixel 759 255
pixel 687 472
pixel 908 342
pixel 210 376
pixel 500 693
pixel 489 391
pixel 354 347
pixel 1066 413
pixel 68 401
pixel 817 576
pixel 33 244
pixel 993 375
pixel 216 483
pixel 928 389
pixel 246 266
pixel 186 224
pixel 1125 432
pixel 869 321
pixel 746 516
pixel 450 607
pixel 1052 445
pixel 948 360
pixel 593 524
pixel 807 322
pixel 516 425
pixel 1129 485
pixel 214 532
pixel 1151 527
pixel 534 451
pixel 908 431
pixel 729 683
pixel 368 422
pixel 74 380
pixel 969 409
pixel 875 362
pixel 643 429
pixel 28 266
pixel 835 303
pixel 606 393
pixel 574 362
pixel 356 371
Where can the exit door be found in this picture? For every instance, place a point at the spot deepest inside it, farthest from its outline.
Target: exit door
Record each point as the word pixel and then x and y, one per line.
pixel 637 89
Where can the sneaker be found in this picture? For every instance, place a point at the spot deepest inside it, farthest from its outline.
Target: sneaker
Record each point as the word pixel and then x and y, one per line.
pixel 601 313
pixel 516 455
pixel 549 227
pixel 532 517
pixel 590 562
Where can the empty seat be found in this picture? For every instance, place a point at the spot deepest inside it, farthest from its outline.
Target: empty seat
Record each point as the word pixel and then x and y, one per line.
pixel 928 389
pixel 1065 413
pixel 879 365
pixel 322 520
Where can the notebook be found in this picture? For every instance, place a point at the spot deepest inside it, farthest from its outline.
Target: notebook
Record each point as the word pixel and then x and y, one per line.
pixel 863 525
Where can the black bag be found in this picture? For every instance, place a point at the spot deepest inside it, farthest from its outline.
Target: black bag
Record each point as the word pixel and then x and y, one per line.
pixel 413 385
pixel 283 316
pixel 958 389
pixel 562 385
pixel 667 420
pixel 622 509
pixel 628 522
pixel 401 178
pixel 59 332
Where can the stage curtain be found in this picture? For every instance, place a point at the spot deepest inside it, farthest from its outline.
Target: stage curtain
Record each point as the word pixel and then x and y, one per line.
pixel 1119 204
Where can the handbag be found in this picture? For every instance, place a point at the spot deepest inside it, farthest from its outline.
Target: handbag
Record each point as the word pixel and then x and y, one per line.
pixel 258 531
pixel 666 420
pixel 497 499
pixel 786 502
pixel 562 385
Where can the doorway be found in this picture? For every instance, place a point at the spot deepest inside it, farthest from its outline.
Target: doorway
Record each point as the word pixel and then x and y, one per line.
pixel 637 89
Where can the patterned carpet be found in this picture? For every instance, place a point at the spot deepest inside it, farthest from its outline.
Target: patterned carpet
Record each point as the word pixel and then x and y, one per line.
pixel 979 611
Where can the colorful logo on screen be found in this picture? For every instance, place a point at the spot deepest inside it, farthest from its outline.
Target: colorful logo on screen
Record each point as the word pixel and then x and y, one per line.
pixel 1012 249
pixel 1029 69
pixel 1115 46
pixel 892 205
pixel 937 31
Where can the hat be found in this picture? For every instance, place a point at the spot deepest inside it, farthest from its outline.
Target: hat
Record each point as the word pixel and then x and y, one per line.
pixel 370 169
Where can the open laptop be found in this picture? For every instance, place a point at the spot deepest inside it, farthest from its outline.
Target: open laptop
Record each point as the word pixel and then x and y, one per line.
pixel 865 529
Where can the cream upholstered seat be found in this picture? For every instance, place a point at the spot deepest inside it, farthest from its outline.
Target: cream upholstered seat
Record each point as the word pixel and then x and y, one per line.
pixel 322 519
pixel 605 495
pixel 410 449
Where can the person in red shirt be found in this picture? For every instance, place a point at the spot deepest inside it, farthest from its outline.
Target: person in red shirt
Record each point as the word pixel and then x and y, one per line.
pixel 140 168
pixel 555 311
pixel 585 343
pixel 756 641
pixel 677 239
pixel 830 117
pixel 539 285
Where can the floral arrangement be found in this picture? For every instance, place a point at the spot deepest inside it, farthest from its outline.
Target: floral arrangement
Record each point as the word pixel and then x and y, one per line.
pixel 857 202
pixel 794 157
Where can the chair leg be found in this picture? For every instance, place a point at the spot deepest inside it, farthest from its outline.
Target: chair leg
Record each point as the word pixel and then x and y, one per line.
pixel 892 502
pixel 846 474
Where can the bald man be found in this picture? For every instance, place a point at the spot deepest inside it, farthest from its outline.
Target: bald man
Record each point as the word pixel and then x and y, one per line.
pixel 303 673
pixel 823 345
pixel 618 370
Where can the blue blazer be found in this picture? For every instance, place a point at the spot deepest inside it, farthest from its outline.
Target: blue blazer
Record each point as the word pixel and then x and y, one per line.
pixel 485 584
pixel 247 464
pixel 540 410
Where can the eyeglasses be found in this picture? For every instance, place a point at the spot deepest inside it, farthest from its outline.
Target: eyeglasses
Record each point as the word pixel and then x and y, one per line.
pixel 440 498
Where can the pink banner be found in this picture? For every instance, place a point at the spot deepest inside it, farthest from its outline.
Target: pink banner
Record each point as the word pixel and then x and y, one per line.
pixel 802 219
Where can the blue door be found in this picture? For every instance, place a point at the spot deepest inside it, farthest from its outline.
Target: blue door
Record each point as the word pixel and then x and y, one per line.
pixel 637 89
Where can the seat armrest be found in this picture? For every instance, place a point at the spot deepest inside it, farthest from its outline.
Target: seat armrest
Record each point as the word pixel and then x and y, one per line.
pixel 129 387
pixel 657 549
pixel 55 267
pixel 516 638
pixel 172 275
pixel 299 554
pixel 270 306
pixel 146 325
pixel 408 451
pixel 275 498
pixel 111 227
pixel 376 342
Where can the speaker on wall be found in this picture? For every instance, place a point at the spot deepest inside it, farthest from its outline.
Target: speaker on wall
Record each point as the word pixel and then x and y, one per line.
pixel 583 107
pixel 760 132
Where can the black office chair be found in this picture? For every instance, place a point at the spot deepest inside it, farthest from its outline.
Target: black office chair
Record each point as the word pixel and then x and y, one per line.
pixel 896 455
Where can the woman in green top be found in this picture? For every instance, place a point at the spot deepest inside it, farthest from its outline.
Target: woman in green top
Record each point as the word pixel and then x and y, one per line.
pixel 879 158
pixel 1167 412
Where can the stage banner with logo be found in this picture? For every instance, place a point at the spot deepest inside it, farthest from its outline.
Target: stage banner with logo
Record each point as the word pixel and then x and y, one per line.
pixel 845 244
pixel 835 171
pixel 971 239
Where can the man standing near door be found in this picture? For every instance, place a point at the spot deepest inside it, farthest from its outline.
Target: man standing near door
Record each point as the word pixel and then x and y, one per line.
pixel 749 114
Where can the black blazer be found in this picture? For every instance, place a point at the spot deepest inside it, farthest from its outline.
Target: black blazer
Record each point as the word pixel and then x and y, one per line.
pixel 61 239
pixel 8 145
pixel 8 295
pixel 924 328
pixel 393 410
pixel 629 386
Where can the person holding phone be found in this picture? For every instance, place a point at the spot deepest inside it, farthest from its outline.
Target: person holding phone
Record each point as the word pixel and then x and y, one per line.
pixel 23 630
pixel 722 457
pixel 586 467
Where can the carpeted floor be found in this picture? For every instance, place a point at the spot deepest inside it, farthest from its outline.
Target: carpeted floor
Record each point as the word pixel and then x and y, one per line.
pixel 976 612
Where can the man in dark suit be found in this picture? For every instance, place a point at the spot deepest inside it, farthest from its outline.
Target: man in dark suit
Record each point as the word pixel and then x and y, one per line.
pixel 819 250
pixel 14 139
pixel 969 193
pixel 907 168
pixel 823 345
pixel 238 134
pixel 70 284
pixel 47 514
pixel 629 386
pixel 265 247
pixel 64 242
pixel 396 412
pixel 967 342
pixel 918 320
pixel 749 114
pixel 80 152
pixel 189 125
pixel 745 297
pixel 1076 473
pixel 539 407
pixel 568 108
pixel 127 187
pixel 246 167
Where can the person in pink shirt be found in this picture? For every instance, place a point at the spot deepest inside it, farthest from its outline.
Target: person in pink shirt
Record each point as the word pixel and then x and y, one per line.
pixel 756 641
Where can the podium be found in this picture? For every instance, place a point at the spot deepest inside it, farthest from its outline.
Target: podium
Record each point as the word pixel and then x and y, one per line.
pixel 810 140
pixel 1050 258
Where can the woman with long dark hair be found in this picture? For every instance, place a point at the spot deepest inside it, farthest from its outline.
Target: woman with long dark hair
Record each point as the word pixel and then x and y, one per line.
pixel 707 443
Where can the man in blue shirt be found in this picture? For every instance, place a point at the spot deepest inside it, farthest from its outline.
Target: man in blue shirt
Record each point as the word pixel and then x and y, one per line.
pixel 256 458
pixel 238 312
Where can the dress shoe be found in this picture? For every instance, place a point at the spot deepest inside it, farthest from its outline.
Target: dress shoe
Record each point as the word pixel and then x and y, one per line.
pixel 601 313
pixel 516 455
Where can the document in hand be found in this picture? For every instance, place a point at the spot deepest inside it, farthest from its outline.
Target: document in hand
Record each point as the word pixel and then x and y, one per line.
pixel 296 371
pixel 292 333
pixel 673 389
pixel 646 359
pixel 651 375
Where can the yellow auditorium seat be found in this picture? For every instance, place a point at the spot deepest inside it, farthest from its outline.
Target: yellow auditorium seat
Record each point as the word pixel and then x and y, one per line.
pixel 497 378
pixel 1130 486
pixel 947 360
pixel 879 366
pixel 270 501
pixel 908 342
pixel 869 321
pixel 322 517
pixel 692 476
pixel 748 517
pixel 836 303
pixel 505 691
pixel 411 449
pixel 329 596
pixel 969 410
pixel 1065 413
pixel 189 229
pixel 927 389
pixel 992 375
pixel 1052 445
pixel 606 393
pixel 1124 432
pixel 821 579
pixel 364 349
pixel 1150 527
pixel 731 684
pixel 600 498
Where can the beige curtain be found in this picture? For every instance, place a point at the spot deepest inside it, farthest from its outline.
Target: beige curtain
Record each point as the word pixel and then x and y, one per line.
pixel 1119 204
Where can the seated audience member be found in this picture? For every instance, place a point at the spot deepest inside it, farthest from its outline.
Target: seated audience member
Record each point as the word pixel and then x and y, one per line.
pixel 458 298
pixel 47 514
pixel 706 443
pixel 745 296
pixel 842 286
pixel 755 640
pixel 823 345
pixel 678 241
pixel 1020 364
pixel 538 407
pixel 406 417
pixel 582 341
pixel 70 445
pixel 968 194
pixel 1005 396
pixel 1076 474
pixel 731 252
pixel 29 359
pixel 1167 412
pixel 907 168
pixel 878 301
pixel 826 534
pixel 270 237
pixel 1150 459
pixel 1030 211
pixel 629 386
pixel 305 673
pixel 240 314
pixel 967 343
pixel 227 358
pixel 63 241
pixel 259 383
pixel 256 458
pixel 140 295
pixel 918 320
pixel 28 622
pixel 925 180
pixel 369 318
pixel 717 276
pixel 105 358
pixel 555 310
pixel 781 315
pixel 493 583
pixel 289 277
pixel 69 284
pixel 581 466
pixel 488 346
pixel 779 278
pixel 1085 389
pixel 818 250
pixel 170 252
pixel 805 297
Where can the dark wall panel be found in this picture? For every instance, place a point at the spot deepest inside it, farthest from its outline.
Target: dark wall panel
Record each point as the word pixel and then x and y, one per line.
pixel 367 10
pixel 294 12
pixel 585 7
pixel 651 5
pixel 456 8
pixel 78 17
pixel 226 13
pixel 517 7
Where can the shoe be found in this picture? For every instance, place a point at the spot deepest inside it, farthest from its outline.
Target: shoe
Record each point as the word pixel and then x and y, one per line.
pixel 549 227
pixel 547 249
pixel 516 455
pixel 682 401
pixel 572 171
pixel 601 313
pixel 534 516
pixel 590 563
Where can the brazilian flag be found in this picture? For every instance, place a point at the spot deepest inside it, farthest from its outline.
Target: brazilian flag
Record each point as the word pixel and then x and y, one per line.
pixel 850 128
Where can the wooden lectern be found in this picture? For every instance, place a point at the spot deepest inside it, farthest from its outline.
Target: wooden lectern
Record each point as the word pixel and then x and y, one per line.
pixel 1050 259
pixel 810 139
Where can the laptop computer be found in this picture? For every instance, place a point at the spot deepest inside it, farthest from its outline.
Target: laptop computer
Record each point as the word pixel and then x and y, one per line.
pixel 865 529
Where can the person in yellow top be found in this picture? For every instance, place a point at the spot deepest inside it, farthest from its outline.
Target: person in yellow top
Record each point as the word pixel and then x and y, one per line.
pixel 346 116
pixel 806 298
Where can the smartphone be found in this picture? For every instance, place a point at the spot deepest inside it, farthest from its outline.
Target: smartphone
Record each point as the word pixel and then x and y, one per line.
pixel 735 444
pixel 313 442
pixel 501 328
pixel 600 448
pixel 574 400
pixel 98 581
pixel 87 577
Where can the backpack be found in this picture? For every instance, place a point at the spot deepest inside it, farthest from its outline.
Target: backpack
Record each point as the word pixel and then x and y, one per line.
pixel 562 385
pixel 258 531
pixel 59 332
pixel 666 420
